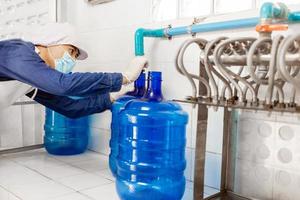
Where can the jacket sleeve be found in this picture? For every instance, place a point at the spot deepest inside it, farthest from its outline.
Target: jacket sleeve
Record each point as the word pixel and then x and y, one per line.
pixel 25 65
pixel 73 108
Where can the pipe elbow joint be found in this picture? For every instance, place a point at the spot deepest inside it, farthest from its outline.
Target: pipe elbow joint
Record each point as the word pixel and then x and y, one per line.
pixel 271 11
pixel 266 10
pixel 140 32
pixel 139 41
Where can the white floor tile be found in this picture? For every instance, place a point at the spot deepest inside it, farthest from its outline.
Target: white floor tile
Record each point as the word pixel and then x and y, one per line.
pixel 13 174
pixel 6 163
pixel 27 176
pixel 57 172
pixel 42 161
pixel 45 190
pixel 106 173
pixel 74 196
pixel 84 181
pixel 88 155
pixel 5 195
pixel 94 165
pixel 106 192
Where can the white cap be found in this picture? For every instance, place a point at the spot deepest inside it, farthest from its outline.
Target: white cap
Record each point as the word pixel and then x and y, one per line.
pixel 55 34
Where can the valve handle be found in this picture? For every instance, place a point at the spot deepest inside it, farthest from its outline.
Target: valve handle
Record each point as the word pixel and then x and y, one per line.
pixel 271 27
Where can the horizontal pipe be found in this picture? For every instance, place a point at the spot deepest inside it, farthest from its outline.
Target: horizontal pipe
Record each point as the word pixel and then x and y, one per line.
pixel 268 11
pixel 241 60
pixel 294 17
pixel 247 106
pixel 241 23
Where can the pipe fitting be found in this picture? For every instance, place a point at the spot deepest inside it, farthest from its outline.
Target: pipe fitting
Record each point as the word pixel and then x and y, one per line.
pixel 273 11
pixel 140 34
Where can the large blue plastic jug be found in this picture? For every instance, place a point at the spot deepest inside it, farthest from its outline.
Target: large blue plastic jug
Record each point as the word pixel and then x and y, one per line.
pixel 139 90
pixel 151 159
pixel 65 136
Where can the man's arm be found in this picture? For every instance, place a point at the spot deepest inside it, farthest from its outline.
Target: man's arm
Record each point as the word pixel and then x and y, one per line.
pixel 23 64
pixel 73 108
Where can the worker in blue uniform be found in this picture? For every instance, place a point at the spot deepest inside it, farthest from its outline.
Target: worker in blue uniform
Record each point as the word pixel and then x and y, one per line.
pixel 41 68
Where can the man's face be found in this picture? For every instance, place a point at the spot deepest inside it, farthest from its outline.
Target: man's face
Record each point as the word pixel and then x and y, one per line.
pixel 73 51
pixel 58 51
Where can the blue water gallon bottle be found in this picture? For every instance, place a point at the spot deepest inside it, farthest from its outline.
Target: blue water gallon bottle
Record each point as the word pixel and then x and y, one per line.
pixel 139 91
pixel 65 136
pixel 152 138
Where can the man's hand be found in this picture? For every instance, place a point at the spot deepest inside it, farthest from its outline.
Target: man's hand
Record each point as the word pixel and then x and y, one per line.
pixel 134 69
pixel 126 88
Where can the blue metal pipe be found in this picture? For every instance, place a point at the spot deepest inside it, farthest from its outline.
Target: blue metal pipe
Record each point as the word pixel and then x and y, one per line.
pixel 294 17
pixel 268 11
pixel 241 23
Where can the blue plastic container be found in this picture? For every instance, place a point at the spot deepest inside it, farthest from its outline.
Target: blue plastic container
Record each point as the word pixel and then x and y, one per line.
pixel 151 159
pixel 139 91
pixel 65 136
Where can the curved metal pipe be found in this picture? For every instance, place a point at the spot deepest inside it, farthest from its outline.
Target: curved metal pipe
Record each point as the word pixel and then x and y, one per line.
pixel 209 69
pixel 250 64
pixel 281 61
pixel 272 71
pixel 228 73
pixel 180 66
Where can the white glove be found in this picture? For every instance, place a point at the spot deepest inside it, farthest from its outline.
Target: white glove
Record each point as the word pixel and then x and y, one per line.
pixel 125 88
pixel 135 68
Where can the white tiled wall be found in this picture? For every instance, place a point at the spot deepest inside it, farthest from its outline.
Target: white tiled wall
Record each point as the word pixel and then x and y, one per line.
pixel 21 126
pixel 267 164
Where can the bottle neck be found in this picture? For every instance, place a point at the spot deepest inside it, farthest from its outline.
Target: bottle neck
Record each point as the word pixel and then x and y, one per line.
pixel 154 92
pixel 139 86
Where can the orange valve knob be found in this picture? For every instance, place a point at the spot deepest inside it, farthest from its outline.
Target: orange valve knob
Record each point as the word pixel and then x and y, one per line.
pixel 271 27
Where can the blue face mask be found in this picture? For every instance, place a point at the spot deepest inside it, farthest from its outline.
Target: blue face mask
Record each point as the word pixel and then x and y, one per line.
pixel 65 64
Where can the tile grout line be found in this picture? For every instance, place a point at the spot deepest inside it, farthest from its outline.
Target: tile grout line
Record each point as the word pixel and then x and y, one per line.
pixel 56 181
pixel 10 192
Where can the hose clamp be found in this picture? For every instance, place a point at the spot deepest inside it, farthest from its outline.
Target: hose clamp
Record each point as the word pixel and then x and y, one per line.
pixel 166 32
pixel 189 30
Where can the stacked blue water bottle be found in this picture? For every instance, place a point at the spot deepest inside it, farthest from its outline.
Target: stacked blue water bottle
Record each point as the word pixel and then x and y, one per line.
pixel 65 136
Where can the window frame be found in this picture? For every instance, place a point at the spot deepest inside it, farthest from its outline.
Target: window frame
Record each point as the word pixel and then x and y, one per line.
pixel 215 17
